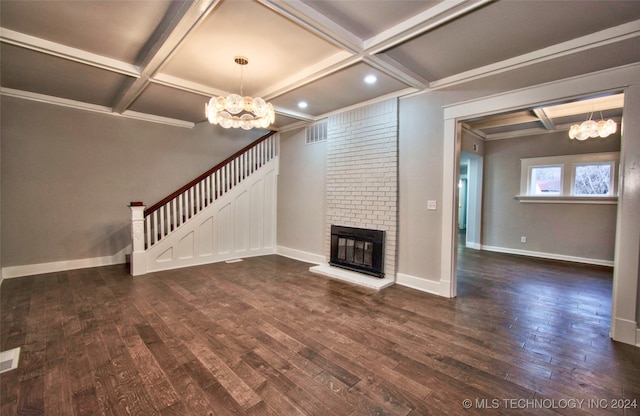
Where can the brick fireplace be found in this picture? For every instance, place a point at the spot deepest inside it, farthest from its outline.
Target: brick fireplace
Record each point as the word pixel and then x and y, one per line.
pixel 362 175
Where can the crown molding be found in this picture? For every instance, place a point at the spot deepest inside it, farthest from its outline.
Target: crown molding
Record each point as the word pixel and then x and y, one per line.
pixel 94 108
pixel 66 52
pixel 594 40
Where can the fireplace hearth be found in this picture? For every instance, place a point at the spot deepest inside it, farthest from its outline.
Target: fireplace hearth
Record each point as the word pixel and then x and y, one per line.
pixel 358 249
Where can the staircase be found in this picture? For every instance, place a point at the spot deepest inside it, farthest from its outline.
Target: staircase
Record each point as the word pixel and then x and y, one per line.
pixel 226 213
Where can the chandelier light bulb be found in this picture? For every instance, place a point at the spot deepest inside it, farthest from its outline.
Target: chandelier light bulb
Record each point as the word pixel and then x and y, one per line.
pixel 234 103
pixel 235 111
pixel 591 129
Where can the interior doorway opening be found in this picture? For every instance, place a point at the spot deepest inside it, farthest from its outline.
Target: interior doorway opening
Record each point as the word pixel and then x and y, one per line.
pixel 470 199
pixel 469 224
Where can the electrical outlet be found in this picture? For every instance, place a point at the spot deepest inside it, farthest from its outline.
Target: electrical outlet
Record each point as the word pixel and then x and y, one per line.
pixel 523 239
pixel 432 205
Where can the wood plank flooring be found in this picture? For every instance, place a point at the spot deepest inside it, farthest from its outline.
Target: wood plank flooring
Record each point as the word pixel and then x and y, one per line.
pixel 266 337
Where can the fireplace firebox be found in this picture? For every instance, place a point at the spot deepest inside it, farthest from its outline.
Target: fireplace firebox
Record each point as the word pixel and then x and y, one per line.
pixel 358 249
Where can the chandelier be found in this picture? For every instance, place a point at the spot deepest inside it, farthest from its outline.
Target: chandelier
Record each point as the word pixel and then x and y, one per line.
pixel 237 111
pixel 592 128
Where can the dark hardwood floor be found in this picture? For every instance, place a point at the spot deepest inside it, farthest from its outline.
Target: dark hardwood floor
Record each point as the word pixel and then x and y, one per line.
pixel 266 337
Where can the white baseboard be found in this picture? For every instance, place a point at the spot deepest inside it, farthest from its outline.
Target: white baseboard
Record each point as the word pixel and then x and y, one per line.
pixel 60 266
pixel 551 256
pixel 624 330
pixel 475 246
pixel 301 255
pixel 419 283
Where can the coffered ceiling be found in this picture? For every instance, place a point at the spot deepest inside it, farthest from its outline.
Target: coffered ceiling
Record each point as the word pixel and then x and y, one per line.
pixel 539 120
pixel 162 60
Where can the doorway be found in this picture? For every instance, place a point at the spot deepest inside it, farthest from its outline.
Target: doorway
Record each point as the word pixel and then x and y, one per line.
pixel 625 286
pixel 470 199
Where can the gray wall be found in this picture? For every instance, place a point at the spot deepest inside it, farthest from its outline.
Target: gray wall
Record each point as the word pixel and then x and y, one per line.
pixel 301 193
pixel 68 176
pixel 420 180
pixel 579 230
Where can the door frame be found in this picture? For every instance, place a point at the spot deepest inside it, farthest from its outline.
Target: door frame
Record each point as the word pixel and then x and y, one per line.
pixel 563 90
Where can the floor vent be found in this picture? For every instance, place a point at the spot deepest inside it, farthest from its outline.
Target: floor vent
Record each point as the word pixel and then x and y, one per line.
pixel 9 359
pixel 233 261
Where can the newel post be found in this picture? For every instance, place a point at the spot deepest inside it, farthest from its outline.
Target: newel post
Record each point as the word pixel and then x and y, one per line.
pixel 138 255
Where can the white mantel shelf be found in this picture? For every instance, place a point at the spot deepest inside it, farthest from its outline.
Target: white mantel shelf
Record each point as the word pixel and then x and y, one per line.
pixel 355 278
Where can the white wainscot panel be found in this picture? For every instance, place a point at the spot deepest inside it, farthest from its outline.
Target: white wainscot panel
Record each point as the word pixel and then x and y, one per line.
pixel 270 210
pixel 224 225
pixel 205 238
pixel 166 255
pixel 242 229
pixel 257 214
pixel 186 247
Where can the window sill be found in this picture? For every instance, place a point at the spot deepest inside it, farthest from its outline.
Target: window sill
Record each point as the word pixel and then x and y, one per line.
pixel 602 200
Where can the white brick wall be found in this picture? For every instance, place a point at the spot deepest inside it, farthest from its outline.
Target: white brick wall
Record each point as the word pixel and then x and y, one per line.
pixel 362 173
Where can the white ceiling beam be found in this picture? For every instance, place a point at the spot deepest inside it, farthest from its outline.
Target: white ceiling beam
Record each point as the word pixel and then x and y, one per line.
pixel 295 114
pixel 478 133
pixel 66 52
pixel 314 21
pixel 317 23
pixel 534 131
pixel 317 71
pixel 300 13
pixel 396 70
pixel 429 19
pixel 517 133
pixel 544 118
pixel 594 40
pixel 608 102
pixel 312 73
pixel 172 33
pixel 502 121
pixel 187 86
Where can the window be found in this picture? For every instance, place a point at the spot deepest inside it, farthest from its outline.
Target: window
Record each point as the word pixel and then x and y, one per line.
pixel 571 178
pixel 592 179
pixel 546 180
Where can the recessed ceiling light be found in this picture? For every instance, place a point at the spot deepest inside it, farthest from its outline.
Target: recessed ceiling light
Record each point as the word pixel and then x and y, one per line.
pixel 370 79
pixel 303 104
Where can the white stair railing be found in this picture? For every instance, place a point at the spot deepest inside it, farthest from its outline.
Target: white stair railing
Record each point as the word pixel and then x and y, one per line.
pixel 151 225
